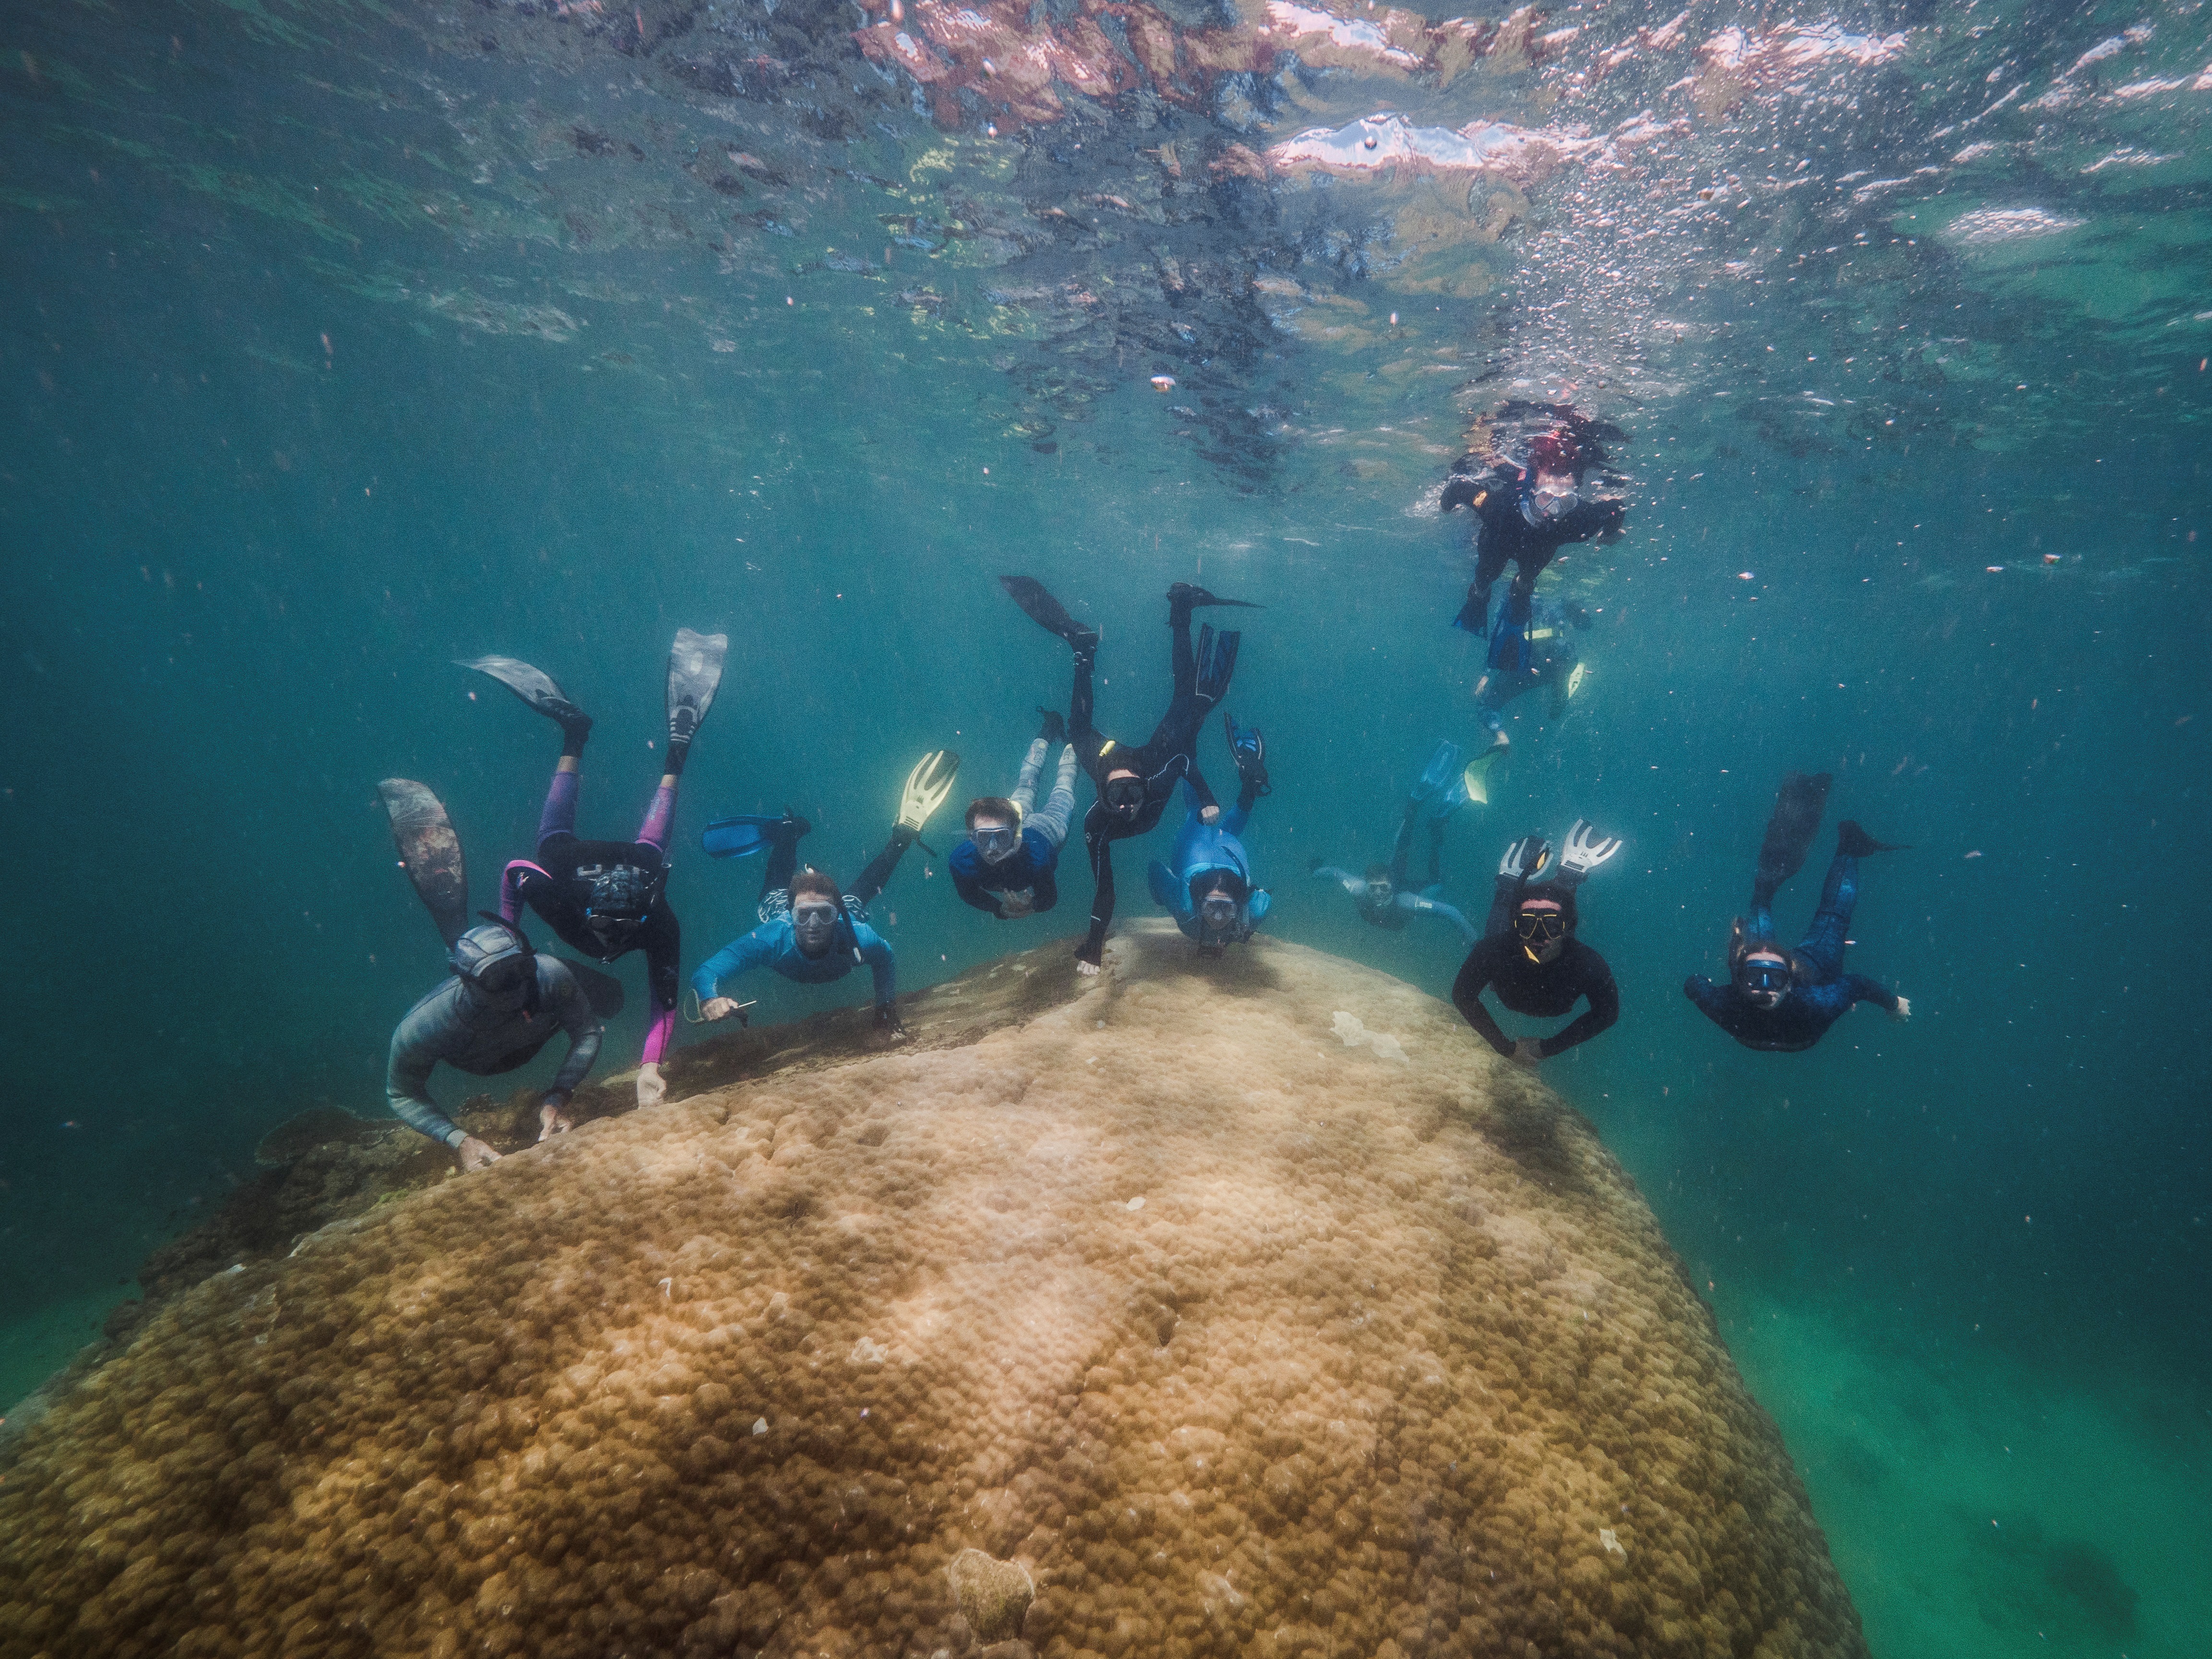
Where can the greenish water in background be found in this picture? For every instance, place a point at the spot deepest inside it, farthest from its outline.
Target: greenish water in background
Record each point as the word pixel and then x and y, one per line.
pixel 271 461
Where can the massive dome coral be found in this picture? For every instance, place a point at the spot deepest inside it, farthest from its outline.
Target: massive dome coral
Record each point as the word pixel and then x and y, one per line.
pixel 1233 1308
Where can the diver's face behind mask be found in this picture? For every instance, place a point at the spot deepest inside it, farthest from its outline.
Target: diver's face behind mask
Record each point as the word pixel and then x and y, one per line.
pixel 1541 926
pixel 1764 977
pixel 1553 496
pixel 994 842
pixel 814 925
pixel 1124 794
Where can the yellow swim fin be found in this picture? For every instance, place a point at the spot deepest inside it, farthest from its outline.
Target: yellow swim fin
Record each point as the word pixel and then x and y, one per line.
pixel 1477 775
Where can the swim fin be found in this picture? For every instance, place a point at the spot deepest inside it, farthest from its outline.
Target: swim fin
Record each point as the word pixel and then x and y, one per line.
pixel 431 853
pixel 1192 596
pixel 1574 680
pixel 1248 748
pixel 1796 819
pixel 1477 775
pixel 695 673
pixel 1054 729
pixel 1445 766
pixel 534 686
pixel 1049 613
pixel 926 786
pixel 741 837
pixel 1217 661
pixel 1855 841
pixel 603 990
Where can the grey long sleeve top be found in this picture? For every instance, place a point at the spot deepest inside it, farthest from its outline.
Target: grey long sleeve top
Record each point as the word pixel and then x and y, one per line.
pixel 484 1040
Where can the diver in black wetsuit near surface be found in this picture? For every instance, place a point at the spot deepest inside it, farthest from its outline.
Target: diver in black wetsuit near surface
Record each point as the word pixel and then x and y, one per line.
pixel 1784 1001
pixel 1529 955
pixel 1525 512
pixel 1135 785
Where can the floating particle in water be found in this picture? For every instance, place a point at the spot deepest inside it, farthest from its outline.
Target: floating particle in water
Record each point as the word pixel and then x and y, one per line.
pixel 1163 382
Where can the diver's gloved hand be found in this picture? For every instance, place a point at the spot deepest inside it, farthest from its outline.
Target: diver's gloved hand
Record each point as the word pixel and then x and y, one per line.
pixel 1055 729
pixel 888 1025
pixel 1585 850
pixel 926 786
pixel 1903 1012
pixel 1018 901
pixel 723 1008
pixel 1526 858
pixel 1248 749
pixel 553 1117
pixel 651 1090
pixel 475 1155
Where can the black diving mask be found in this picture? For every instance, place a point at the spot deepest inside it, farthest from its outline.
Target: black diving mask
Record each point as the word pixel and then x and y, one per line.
pixel 1124 795
pixel 995 845
pixel 1764 978
pixel 1535 925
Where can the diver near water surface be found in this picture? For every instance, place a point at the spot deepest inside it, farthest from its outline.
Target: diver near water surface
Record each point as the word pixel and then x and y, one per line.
pixel 502 1004
pixel 1135 784
pixel 1782 1000
pixel 1385 896
pixel 1006 866
pixel 809 933
pixel 1526 510
pixel 1530 954
pixel 607 898
pixel 1208 889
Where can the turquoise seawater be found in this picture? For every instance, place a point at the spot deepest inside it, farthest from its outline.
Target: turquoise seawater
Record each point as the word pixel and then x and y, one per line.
pixel 343 341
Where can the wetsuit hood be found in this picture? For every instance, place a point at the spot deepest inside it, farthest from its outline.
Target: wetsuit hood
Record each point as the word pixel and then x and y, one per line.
pixel 496 966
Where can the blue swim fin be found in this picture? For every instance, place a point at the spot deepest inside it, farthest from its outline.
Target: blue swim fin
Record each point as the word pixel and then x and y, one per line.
pixel 1437 777
pixel 740 837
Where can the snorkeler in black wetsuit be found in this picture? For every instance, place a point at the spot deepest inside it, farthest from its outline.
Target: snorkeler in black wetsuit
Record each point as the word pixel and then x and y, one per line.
pixel 1529 955
pixel 607 898
pixel 1135 784
pixel 1784 1002
pixel 1525 514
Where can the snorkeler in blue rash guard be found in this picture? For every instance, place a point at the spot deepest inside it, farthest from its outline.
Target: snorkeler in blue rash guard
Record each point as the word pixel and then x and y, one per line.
pixel 809 933
pixel 1006 865
pixel 1784 1002
pixel 1384 895
pixel 1209 889
pixel 1527 654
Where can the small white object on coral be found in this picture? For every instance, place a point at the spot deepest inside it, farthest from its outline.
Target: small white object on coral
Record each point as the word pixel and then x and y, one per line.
pixel 1606 1536
pixel 1385 1046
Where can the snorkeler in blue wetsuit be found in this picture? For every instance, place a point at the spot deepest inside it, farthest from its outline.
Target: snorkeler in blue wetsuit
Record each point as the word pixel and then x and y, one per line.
pixel 1784 1002
pixel 1007 864
pixel 1529 653
pixel 809 933
pixel 1385 896
pixel 1209 889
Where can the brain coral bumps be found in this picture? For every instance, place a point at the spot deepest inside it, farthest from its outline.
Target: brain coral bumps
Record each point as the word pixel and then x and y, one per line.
pixel 1386 1355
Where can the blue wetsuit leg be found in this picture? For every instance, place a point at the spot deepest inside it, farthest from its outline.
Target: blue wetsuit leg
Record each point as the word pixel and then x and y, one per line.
pixel 1823 943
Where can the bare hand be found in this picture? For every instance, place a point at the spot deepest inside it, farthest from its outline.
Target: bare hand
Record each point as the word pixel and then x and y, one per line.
pixel 1209 815
pixel 718 1007
pixel 1020 904
pixel 1529 1052
pixel 553 1119
pixel 651 1090
pixel 1903 1012
pixel 1088 970
pixel 475 1155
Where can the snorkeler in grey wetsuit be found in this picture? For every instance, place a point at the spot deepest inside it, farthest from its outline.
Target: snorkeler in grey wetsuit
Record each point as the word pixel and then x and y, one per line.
pixel 503 1004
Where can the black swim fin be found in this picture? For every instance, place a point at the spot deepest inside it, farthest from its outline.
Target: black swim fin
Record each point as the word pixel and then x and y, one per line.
pixel 1217 661
pixel 603 990
pixel 1190 594
pixel 1796 820
pixel 1054 730
pixel 1852 840
pixel 695 673
pixel 431 853
pixel 1048 613
pixel 535 687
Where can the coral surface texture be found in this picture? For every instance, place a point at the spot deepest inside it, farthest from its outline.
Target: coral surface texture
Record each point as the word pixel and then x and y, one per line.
pixel 1161 1318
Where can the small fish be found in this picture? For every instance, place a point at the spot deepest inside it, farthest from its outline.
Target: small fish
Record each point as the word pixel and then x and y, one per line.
pixel 1163 382
pixel 1976 853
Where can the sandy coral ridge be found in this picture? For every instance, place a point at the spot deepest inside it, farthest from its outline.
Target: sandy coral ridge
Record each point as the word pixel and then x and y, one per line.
pixel 1163 1320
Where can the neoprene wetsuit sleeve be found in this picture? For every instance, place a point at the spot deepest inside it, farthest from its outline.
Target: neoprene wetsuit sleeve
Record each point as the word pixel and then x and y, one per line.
pixel 1436 908
pixel 1712 1000
pixel 740 955
pixel 1199 786
pixel 407 1087
pixel 876 951
pixel 1355 885
pixel 1863 989
pixel 573 1009
pixel 1466 996
pixel 970 889
pixel 1604 1009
